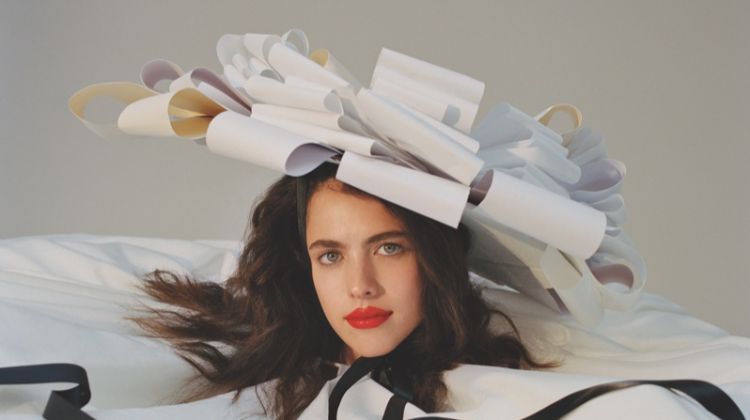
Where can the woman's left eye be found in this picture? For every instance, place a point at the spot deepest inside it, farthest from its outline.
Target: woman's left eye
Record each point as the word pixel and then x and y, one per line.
pixel 389 249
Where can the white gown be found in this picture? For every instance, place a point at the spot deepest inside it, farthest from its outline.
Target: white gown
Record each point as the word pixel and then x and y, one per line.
pixel 63 298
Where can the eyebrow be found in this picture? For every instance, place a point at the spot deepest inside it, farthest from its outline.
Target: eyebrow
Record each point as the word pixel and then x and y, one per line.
pixel 329 243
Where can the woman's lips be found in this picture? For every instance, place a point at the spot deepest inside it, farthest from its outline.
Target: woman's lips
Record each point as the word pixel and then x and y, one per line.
pixel 369 317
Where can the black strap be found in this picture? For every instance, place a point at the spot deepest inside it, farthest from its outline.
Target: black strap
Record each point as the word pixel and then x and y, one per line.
pixel 61 405
pixel 711 397
pixel 360 368
pixel 67 404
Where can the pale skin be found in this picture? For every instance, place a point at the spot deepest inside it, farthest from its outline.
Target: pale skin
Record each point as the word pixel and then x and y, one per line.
pixel 362 256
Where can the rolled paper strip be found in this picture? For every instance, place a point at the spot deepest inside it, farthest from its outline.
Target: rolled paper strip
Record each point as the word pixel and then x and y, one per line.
pixel 234 77
pixel 614 207
pixel 532 123
pixel 431 196
pixel 126 93
pixel 616 253
pixel 242 64
pixel 335 138
pixel 149 116
pixel 546 162
pixel 325 59
pixel 297 39
pixel 440 78
pixel 532 267
pixel 575 284
pixel 450 109
pixel 533 138
pixel 507 257
pixel 239 63
pixel 240 137
pixel 227 46
pixel 259 45
pixel 270 91
pixel 593 154
pixel 500 157
pixel 498 132
pixel 222 99
pixel 330 120
pixel 291 63
pixel 458 136
pixel 299 82
pixel 206 76
pixel 599 180
pixel 157 70
pixel 571 111
pixel 553 164
pixel 418 138
pixel 494 127
pixel 259 67
pixel 185 114
pixel 386 83
pixel 582 140
pixel 535 176
pixel 571 227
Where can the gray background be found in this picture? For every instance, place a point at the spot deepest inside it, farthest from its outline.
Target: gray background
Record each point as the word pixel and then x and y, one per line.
pixel 666 82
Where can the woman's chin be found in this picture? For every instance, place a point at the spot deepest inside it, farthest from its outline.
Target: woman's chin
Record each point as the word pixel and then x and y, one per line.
pixel 369 351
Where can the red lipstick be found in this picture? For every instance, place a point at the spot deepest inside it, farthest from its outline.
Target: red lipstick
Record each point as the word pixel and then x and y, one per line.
pixel 369 317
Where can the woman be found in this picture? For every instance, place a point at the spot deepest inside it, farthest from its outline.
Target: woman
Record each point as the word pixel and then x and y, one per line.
pixel 329 274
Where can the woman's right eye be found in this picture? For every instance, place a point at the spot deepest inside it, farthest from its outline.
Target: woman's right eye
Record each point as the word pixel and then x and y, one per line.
pixel 329 257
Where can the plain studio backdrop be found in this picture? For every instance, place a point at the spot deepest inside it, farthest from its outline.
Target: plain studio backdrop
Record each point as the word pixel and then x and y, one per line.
pixel 665 82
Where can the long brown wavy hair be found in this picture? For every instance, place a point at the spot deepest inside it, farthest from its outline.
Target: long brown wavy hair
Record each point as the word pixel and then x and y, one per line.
pixel 264 324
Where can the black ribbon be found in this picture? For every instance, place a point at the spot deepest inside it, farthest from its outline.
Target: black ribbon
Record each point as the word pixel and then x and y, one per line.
pixel 61 405
pixel 67 404
pixel 711 397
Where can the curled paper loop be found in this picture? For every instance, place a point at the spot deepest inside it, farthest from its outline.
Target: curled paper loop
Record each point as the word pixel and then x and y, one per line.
pixel 157 70
pixel 185 113
pixel 545 117
pixel 297 39
pixel 123 92
pixel 326 60
pixel 544 208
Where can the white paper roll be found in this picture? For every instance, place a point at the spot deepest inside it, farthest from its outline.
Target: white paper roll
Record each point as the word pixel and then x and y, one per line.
pixel 421 139
pixel 459 84
pixel 270 91
pixel 291 63
pixel 569 226
pixel 240 137
pixel 428 195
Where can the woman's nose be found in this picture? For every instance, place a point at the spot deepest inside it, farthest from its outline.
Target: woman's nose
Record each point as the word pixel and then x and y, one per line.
pixel 363 279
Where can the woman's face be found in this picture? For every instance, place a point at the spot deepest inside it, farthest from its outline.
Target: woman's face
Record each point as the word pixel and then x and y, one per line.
pixel 364 269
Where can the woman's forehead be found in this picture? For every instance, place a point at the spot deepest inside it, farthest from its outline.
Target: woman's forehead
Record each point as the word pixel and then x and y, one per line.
pixel 333 211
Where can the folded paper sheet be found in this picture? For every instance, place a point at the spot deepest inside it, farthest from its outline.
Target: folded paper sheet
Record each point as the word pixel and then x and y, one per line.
pixel 544 208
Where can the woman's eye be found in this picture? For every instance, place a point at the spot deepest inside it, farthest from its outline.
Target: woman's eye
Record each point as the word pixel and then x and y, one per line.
pixel 329 257
pixel 390 249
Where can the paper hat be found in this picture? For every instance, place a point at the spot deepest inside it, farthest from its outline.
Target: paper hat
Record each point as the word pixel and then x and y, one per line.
pixel 543 208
